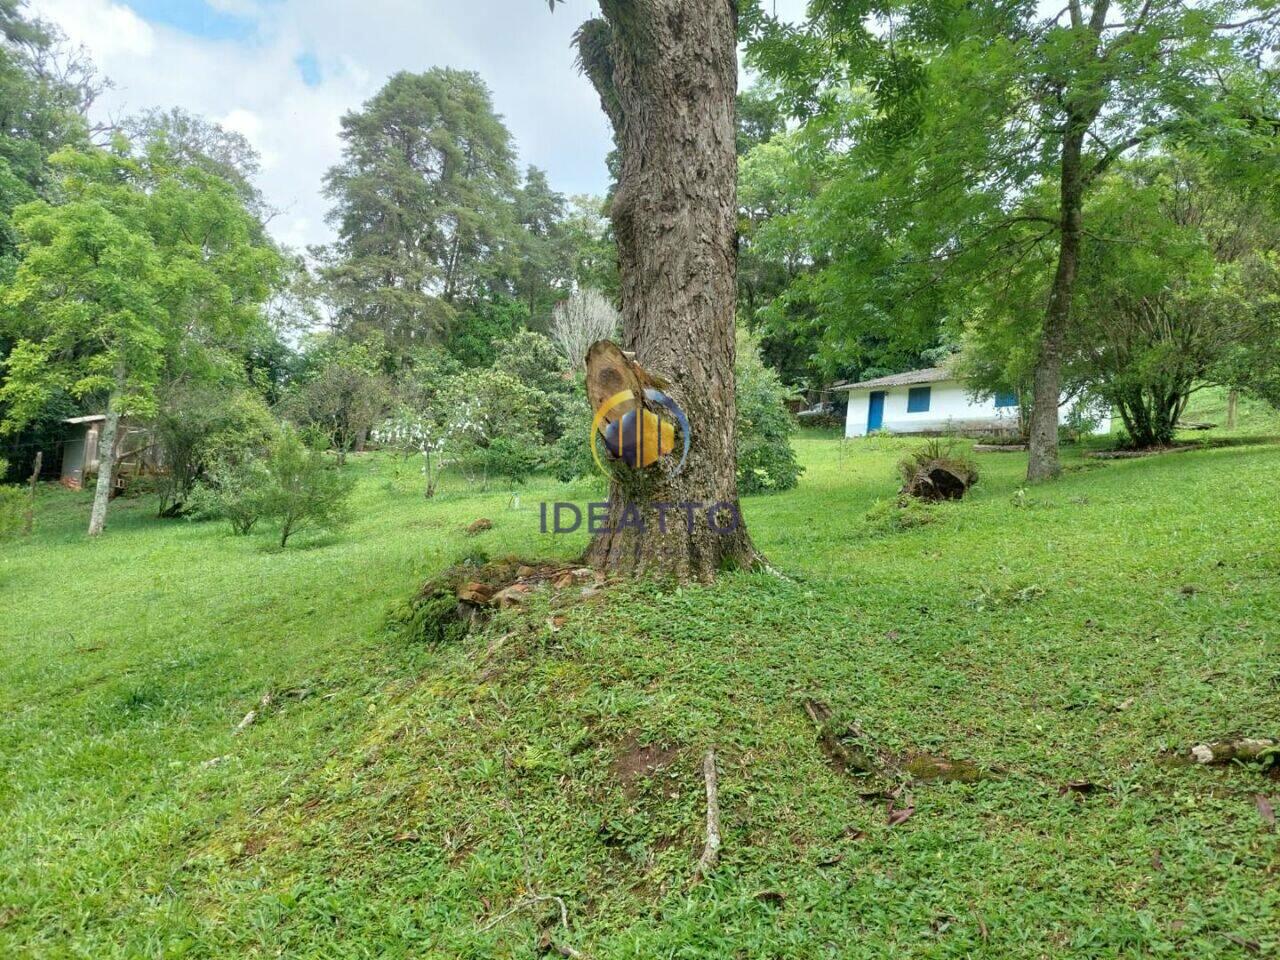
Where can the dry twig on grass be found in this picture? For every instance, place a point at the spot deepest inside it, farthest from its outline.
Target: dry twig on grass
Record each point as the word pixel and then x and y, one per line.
pixel 711 849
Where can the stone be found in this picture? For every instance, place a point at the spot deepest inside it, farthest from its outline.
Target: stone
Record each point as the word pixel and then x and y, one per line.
pixel 475 592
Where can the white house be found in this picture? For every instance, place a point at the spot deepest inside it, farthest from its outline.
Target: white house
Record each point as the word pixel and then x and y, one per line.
pixel 936 401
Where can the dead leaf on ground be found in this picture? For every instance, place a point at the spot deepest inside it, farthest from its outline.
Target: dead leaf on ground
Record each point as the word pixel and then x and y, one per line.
pixel 407 837
pixel 1156 862
pixel 899 815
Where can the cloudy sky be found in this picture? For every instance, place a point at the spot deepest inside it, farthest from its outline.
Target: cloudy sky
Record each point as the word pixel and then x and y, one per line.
pixel 283 72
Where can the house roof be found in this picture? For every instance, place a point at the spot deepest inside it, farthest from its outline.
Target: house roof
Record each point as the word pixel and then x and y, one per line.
pixel 911 377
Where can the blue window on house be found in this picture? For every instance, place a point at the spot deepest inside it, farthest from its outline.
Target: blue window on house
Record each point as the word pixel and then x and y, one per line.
pixel 918 400
pixel 1006 399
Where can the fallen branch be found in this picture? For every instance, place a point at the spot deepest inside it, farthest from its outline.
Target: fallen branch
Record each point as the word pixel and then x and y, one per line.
pixel 711 849
pixel 1224 751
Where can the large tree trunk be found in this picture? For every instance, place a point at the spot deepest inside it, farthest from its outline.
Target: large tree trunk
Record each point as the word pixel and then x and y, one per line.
pixel 106 461
pixel 1043 461
pixel 667 74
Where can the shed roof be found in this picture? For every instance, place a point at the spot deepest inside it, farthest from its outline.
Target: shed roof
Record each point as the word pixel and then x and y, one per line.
pixel 928 375
pixel 89 419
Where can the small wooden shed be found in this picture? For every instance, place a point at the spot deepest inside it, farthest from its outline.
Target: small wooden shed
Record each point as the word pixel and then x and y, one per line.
pixel 135 450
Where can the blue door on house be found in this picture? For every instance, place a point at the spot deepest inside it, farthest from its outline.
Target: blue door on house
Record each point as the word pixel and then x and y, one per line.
pixel 875 411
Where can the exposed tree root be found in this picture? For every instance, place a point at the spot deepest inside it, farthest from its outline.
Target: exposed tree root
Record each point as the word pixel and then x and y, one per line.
pixel 711 848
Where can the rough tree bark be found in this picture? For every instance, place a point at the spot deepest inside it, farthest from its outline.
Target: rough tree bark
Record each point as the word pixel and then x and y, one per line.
pixel 1084 97
pixel 106 460
pixel 667 74
pixel 1042 463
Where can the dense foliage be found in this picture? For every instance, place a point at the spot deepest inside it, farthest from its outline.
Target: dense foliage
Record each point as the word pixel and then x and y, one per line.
pixel 954 156
pixel 766 460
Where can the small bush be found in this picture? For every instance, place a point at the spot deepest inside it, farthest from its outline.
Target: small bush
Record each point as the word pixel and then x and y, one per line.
pixel 764 426
pixel 1080 423
pixel 200 427
pixel 13 511
pixel 293 485
pixel 304 490
pixel 239 493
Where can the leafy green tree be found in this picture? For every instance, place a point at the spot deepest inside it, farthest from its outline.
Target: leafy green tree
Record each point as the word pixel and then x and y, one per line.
pixel 185 139
pixel 593 252
pixel 487 407
pixel 1186 279
pixel 144 274
pixel 544 269
pixel 45 89
pixel 760 115
pixel 1178 282
pixel 342 395
pixel 766 460
pixel 481 324
pixel 202 425
pixel 993 123
pixel 423 207
pixel 304 491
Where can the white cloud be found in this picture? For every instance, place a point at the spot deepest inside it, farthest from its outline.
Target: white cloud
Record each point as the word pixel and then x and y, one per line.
pixel 255 87
pixel 110 30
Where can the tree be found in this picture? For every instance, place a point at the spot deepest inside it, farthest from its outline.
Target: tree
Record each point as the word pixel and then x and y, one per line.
pixel 203 425
pixel 667 75
pixel 765 425
pixel 143 274
pixel 342 397
pixel 978 106
pixel 423 207
pixel 760 117
pixel 189 140
pixel 579 321
pixel 588 236
pixel 1186 281
pixel 303 491
pixel 493 419
pixel 545 264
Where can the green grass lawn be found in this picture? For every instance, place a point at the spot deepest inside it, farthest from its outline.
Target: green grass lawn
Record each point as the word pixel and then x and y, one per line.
pixel 398 801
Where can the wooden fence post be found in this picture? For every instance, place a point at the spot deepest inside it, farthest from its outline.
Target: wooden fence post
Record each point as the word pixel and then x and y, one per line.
pixel 31 495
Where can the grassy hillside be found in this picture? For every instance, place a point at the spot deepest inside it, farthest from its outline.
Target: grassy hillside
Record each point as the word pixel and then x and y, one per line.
pixel 395 800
